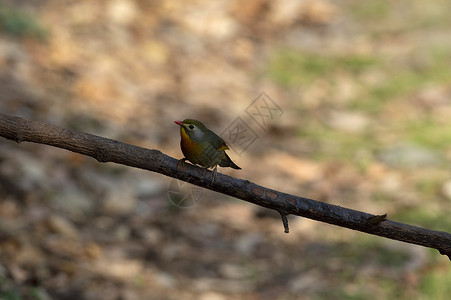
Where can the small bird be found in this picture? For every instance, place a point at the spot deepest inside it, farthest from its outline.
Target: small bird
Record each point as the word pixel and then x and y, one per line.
pixel 203 147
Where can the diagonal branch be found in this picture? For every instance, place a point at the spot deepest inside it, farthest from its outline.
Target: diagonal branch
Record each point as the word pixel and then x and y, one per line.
pixel 107 150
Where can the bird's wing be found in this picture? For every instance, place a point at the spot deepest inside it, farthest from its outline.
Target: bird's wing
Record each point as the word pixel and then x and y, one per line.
pixel 217 141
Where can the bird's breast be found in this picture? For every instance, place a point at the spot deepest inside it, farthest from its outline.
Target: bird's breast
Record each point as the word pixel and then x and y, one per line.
pixel 189 147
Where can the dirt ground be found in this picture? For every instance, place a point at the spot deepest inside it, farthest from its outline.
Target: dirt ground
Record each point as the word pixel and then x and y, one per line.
pixel 346 102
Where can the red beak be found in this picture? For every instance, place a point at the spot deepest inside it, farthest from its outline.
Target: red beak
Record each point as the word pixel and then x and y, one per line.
pixel 178 123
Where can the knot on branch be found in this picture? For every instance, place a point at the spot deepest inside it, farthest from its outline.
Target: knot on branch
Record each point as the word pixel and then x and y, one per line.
pixel 18 138
pixel 102 154
pixel 375 220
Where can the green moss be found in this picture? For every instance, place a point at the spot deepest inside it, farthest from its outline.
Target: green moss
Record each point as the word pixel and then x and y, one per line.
pixel 426 68
pixel 10 295
pixel 342 294
pixel 339 145
pixel 429 187
pixel 425 217
pixel 426 14
pixel 436 285
pixel 370 10
pixel 17 23
pixel 289 67
pixel 429 133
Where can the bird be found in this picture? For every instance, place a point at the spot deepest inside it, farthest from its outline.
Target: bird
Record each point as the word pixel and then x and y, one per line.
pixel 203 147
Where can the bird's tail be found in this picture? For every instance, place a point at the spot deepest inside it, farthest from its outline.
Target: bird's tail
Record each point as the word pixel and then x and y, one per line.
pixel 227 162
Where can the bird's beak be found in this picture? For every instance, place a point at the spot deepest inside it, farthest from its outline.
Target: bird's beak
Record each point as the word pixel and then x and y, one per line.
pixel 178 123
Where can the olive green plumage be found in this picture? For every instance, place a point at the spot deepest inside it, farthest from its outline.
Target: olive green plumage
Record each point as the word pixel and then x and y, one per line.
pixel 203 147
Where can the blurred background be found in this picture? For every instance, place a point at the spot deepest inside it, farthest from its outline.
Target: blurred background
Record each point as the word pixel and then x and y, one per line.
pixel 364 92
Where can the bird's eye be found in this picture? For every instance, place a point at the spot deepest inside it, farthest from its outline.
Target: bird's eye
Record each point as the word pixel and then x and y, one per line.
pixel 191 126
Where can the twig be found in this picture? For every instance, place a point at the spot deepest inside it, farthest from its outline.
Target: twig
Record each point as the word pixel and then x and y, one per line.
pixel 107 150
pixel 285 222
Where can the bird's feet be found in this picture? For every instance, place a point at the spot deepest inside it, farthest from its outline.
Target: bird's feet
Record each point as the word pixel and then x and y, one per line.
pixel 213 175
pixel 180 161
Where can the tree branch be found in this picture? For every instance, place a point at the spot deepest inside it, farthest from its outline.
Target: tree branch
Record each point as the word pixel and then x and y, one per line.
pixel 107 150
